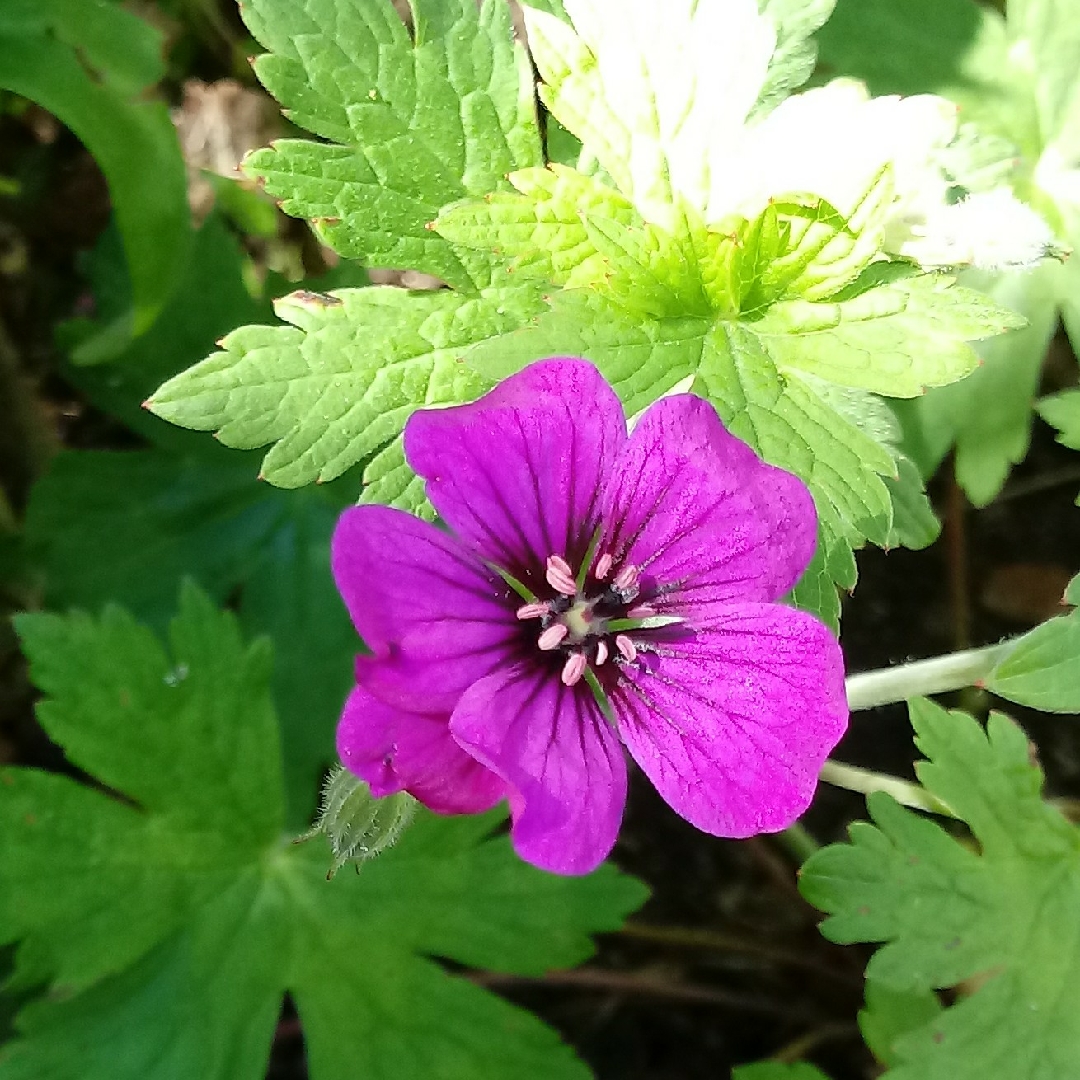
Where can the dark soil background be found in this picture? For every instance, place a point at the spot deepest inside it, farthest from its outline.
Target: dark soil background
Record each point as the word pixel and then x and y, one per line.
pixel 724 965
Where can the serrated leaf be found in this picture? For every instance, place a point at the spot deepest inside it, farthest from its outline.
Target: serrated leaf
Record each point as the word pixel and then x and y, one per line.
pixel 171 922
pixel 389 481
pixel 895 339
pixel 146 520
pixel 339 383
pixel 88 63
pixel 413 125
pixel 781 416
pixel 642 358
pixel 1043 669
pixel 947 914
pixel 541 229
pixel 776 412
pixel 816 590
pixel 914 523
pixel 655 93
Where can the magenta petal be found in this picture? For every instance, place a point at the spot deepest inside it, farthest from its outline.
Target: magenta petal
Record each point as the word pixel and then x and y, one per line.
pixel 695 509
pixel 395 750
pixel 562 760
pixel 732 723
pixel 517 473
pixel 424 604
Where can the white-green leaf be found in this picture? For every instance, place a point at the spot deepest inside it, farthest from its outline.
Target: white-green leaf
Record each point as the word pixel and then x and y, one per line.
pixel 656 93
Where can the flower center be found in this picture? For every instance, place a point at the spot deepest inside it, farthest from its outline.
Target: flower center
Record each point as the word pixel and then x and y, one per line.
pixel 587 618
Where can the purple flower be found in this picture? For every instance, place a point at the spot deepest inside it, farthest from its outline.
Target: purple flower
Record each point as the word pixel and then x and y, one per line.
pixel 587 563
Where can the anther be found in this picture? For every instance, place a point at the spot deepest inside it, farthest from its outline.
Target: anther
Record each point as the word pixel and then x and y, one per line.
pixel 626 579
pixel 627 649
pixel 574 668
pixel 560 576
pixel 532 611
pixel 552 637
pixel 642 611
pixel 603 566
pixel 601 652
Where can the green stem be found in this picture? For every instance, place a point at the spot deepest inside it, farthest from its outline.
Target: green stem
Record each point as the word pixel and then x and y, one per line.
pixel 865 782
pixel 798 841
pixel 937 675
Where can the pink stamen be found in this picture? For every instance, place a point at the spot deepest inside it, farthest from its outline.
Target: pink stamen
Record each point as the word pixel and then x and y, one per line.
pixel 532 611
pixel 626 579
pixel 642 611
pixel 574 668
pixel 552 637
pixel 627 649
pixel 601 652
pixel 560 576
pixel 603 567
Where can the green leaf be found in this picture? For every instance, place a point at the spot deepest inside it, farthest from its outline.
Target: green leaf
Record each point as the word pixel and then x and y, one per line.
pixel 147 520
pixel 169 923
pixel 642 358
pixel 1043 669
pixel 211 299
pixel 890 1014
pixel 542 230
pixel 87 62
pixel 780 414
pixel 655 94
pixel 914 523
pixel 988 414
pixel 339 382
pixel 816 590
pixel 947 914
pixel 413 125
pixel 787 422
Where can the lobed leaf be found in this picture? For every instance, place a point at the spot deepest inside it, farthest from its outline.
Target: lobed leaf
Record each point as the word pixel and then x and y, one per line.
pixel 948 914
pixel 412 123
pixel 168 923
pixel 1042 670
pixel 337 384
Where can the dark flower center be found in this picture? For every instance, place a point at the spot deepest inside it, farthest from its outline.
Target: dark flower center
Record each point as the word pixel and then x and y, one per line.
pixel 588 619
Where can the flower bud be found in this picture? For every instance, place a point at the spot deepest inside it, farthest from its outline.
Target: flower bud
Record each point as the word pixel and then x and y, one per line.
pixel 358 825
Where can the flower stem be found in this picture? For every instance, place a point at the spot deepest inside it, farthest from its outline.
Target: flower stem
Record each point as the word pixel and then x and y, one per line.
pixel 865 782
pixel 798 841
pixel 937 675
